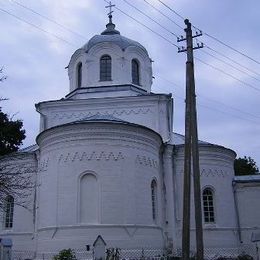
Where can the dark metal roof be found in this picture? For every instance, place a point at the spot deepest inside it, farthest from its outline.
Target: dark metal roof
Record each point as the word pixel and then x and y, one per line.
pixel 31 148
pixel 247 178
pixel 113 36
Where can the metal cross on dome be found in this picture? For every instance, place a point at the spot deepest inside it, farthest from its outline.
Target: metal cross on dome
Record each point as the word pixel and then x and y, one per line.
pixel 110 9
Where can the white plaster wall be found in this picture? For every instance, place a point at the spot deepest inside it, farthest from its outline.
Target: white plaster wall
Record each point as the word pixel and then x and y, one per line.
pixel 216 167
pixel 248 195
pixel 153 111
pixel 124 159
pixel 121 66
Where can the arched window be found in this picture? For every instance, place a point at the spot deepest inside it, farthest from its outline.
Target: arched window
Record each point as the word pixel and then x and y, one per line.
pixel 105 68
pixel 79 75
pixel 154 199
pixel 9 212
pixel 135 72
pixel 88 199
pixel 208 206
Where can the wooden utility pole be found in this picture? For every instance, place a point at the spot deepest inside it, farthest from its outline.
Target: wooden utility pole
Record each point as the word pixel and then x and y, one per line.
pixel 191 151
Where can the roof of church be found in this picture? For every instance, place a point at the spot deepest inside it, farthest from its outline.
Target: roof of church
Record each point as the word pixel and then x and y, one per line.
pixel 247 178
pixel 30 148
pixel 113 36
pixel 178 139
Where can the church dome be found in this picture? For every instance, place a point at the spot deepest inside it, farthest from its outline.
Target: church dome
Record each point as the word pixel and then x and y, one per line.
pixel 113 36
pixel 108 62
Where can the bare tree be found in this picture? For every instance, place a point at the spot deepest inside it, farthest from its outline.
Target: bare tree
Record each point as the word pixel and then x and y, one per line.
pixel 17 178
pixel 2 77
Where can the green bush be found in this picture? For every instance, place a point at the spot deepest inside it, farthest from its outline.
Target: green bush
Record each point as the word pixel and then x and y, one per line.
pixel 65 254
pixel 245 257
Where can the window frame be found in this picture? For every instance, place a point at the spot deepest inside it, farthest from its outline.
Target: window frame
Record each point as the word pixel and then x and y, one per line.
pixel 105 68
pixel 79 75
pixel 154 200
pixel 8 212
pixel 208 204
pixel 135 71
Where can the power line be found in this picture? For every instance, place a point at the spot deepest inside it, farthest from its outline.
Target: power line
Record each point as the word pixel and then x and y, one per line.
pixel 48 19
pixel 212 37
pixel 150 18
pixel 67 42
pixel 225 113
pixel 232 48
pixel 224 72
pixel 37 27
pixel 237 79
pixel 227 63
pixel 158 10
pixel 228 106
pixel 167 6
pixel 145 26
pixel 80 35
pixel 166 16
pixel 211 100
pixel 234 61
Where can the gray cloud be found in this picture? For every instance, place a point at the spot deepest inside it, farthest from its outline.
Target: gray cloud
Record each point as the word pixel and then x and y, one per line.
pixel 34 61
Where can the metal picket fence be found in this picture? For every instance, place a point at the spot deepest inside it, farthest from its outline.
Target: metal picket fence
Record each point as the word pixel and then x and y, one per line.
pixel 149 254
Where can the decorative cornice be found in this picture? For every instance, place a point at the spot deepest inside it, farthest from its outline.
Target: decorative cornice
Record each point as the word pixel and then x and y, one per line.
pixel 211 173
pixel 114 112
pixel 146 161
pixel 43 165
pixel 96 156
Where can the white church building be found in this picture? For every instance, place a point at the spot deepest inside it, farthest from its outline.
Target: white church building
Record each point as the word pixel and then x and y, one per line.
pixel 108 163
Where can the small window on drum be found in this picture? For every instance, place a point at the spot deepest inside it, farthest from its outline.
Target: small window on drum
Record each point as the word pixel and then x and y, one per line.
pixel 105 68
pixel 79 75
pixel 135 72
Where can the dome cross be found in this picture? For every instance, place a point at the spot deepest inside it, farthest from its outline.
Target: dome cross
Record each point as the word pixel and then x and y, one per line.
pixel 110 11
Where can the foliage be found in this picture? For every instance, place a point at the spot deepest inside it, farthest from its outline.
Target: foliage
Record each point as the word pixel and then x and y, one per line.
pixel 65 254
pixel 15 170
pixel 245 257
pixel 113 254
pixel 11 134
pixel 245 166
pixel 16 178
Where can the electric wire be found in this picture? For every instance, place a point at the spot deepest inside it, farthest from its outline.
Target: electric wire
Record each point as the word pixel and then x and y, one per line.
pixel 143 13
pixel 232 48
pixel 234 61
pixel 229 64
pixel 38 27
pixel 67 42
pixel 218 69
pixel 228 58
pixel 171 9
pixel 49 19
pixel 80 35
pixel 211 99
pixel 210 36
pixel 205 45
pixel 147 27
pixel 166 16
pixel 228 74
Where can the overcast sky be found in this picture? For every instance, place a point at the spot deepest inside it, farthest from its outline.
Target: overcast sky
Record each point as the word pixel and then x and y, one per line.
pixel 228 106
